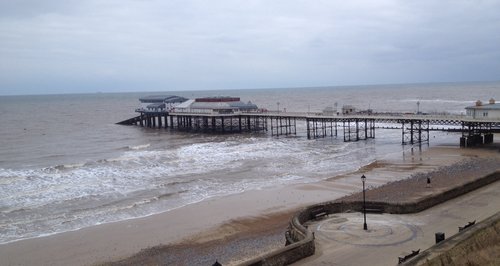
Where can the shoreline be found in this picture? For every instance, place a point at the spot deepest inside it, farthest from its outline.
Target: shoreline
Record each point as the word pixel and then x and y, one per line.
pixel 218 221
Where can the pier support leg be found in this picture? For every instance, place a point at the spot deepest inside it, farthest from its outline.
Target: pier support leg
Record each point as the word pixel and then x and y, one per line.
pixel 414 132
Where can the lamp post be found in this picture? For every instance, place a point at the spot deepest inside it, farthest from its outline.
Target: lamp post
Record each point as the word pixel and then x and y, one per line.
pixel 278 103
pixel 363 179
pixel 418 107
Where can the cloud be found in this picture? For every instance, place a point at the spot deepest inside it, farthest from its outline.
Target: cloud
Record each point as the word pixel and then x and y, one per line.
pixel 46 46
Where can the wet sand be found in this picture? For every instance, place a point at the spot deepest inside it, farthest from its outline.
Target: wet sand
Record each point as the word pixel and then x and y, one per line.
pixel 237 227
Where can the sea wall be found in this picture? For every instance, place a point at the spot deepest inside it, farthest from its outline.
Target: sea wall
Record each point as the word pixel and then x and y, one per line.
pixel 302 246
pixel 300 241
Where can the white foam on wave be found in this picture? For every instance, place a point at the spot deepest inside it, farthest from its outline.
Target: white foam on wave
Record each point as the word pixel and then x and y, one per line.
pixel 69 166
pixel 139 147
pixel 47 185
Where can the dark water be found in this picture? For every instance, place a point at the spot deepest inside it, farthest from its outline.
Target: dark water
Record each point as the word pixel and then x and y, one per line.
pixel 65 164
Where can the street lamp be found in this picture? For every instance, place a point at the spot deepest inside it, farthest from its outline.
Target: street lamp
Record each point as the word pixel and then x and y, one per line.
pixel 418 107
pixel 278 103
pixel 363 179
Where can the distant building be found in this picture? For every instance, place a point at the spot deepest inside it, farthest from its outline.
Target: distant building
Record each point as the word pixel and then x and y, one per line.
pixel 484 111
pixel 160 103
pixel 329 111
pixel 221 105
pixel 348 110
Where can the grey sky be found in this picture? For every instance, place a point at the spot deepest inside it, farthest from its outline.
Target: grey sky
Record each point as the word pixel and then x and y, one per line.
pixel 54 46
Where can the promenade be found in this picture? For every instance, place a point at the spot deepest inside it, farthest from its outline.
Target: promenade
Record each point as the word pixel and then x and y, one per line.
pixel 341 240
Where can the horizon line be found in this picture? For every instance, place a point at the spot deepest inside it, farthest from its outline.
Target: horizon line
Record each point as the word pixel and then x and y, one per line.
pixel 261 88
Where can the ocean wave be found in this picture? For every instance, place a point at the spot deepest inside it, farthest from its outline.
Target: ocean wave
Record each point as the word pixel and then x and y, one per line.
pixel 68 166
pixel 139 147
pixel 142 182
pixel 170 194
pixel 12 210
pixel 175 183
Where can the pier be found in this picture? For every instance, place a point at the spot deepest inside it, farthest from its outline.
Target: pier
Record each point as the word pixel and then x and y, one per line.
pixel 230 115
pixel 415 129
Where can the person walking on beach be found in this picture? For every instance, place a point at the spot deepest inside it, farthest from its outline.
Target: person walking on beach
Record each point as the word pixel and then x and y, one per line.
pixel 428 182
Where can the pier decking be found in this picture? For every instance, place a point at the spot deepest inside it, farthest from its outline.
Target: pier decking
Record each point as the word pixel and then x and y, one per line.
pixel 414 128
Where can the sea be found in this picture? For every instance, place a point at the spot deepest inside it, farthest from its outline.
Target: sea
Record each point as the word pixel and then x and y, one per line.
pixel 65 164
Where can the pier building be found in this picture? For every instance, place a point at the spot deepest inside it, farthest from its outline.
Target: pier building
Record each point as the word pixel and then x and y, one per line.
pixel 215 105
pixel 348 109
pixel 482 111
pixel 159 103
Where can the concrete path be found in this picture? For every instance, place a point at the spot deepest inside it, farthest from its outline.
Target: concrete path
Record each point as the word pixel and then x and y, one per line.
pixel 341 240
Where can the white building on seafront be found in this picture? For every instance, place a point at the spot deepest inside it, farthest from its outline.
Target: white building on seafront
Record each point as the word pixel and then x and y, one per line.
pixel 483 111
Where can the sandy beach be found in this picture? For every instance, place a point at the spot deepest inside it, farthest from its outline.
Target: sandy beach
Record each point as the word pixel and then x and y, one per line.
pixel 237 227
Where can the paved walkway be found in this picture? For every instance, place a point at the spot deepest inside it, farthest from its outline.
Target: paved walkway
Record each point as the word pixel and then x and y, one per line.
pixel 341 240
